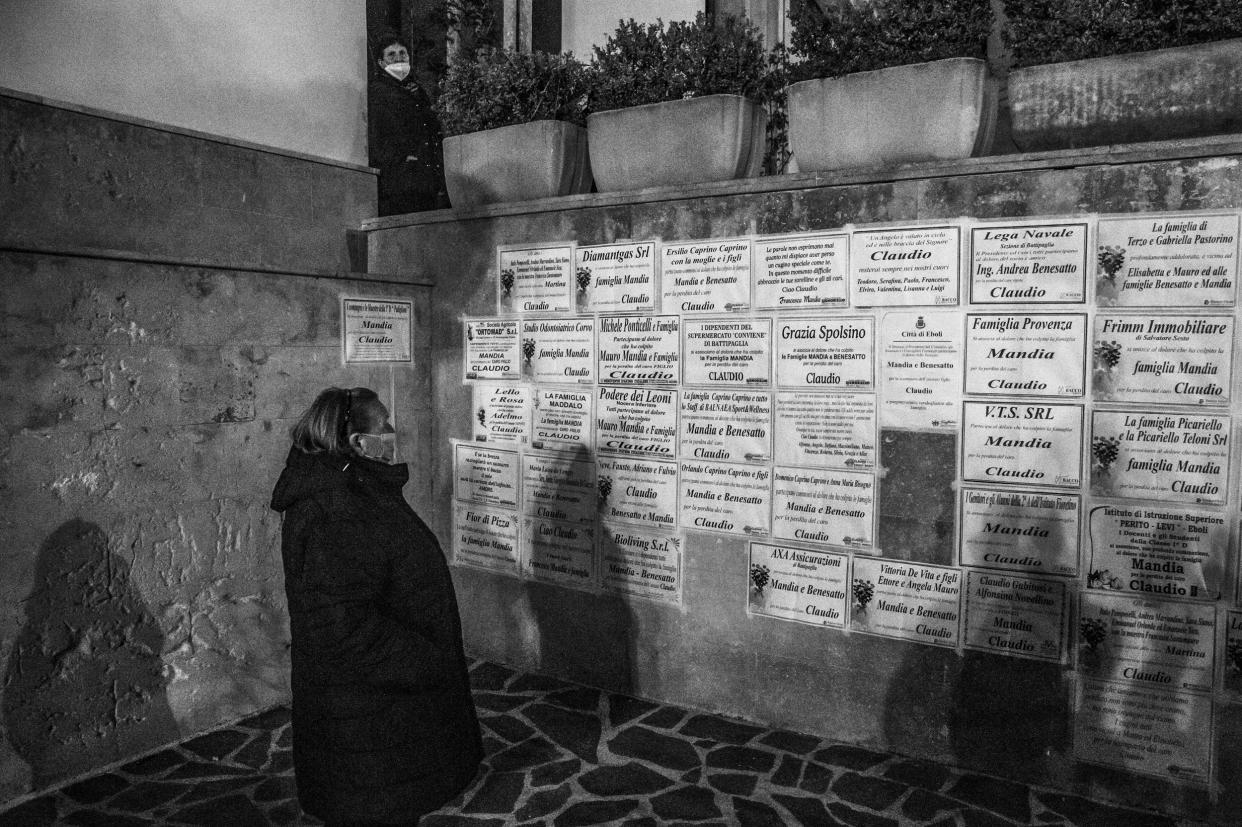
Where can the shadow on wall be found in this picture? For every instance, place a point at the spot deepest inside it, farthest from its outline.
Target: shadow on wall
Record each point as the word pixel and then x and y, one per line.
pixel 999 715
pixel 84 684
pixel 585 637
pixel 1009 716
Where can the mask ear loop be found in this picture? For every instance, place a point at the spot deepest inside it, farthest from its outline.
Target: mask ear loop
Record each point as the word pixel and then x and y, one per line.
pixel 346 417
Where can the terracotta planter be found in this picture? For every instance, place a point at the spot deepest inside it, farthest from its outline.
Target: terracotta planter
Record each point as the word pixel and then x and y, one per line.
pixel 712 138
pixel 940 110
pixel 1183 92
pixel 541 159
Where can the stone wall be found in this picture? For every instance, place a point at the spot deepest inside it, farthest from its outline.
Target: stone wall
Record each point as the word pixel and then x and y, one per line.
pixel 170 304
pixel 999 715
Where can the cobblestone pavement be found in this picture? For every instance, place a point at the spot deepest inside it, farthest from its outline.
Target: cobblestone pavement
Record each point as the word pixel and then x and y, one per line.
pixel 560 755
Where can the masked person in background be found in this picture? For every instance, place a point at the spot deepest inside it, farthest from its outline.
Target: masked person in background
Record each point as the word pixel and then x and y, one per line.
pixel 384 729
pixel 403 134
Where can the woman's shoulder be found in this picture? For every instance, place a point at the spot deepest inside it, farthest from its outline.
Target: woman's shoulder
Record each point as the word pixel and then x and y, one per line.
pixel 330 498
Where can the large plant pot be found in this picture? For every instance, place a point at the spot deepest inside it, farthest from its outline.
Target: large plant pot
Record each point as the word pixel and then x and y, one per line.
pixel 1182 92
pixel 693 141
pixel 541 159
pixel 941 110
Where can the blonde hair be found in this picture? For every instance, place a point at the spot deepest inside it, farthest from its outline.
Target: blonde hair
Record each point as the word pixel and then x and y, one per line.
pixel 334 415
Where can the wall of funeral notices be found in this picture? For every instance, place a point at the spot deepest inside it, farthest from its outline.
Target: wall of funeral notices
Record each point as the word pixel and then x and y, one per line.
pixel 1015 437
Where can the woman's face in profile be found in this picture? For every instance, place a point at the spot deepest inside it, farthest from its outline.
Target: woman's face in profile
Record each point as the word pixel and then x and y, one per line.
pixel 379 441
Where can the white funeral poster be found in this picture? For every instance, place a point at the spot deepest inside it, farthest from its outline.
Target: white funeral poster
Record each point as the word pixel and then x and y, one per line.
pixel 725 498
pixel 556 552
pixel 637 490
pixel 502 412
pixel 640 562
pixel 1232 667
pixel 824 506
pixel 803 585
pixel 730 351
pixel 1167 260
pixel 1036 532
pixel 1160 456
pixel 801 272
pixel 1158 551
pixel 559 487
pixel 728 425
pixel 491 348
pixel 908 601
pixel 485 537
pixel 1167 360
pixel 377 330
pixel 636 421
pixel 1165 644
pixel 921 364
pixel 1026 355
pixel 639 350
pixel 705 276
pixel 563 419
pixel 536 279
pixel 905 266
pixel 486 475
pixel 1037 262
pixel 558 350
pixel 1022 443
pixel 1144 730
pixel 820 430
pixel 615 278
pixel 1022 617
pixel 829 353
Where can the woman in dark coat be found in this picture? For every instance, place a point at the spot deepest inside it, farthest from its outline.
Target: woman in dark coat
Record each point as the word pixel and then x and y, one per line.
pixel 403 134
pixel 384 729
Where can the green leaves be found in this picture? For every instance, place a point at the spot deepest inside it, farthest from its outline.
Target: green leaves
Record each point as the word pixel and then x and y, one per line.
pixel 654 62
pixel 1054 31
pixel 833 39
pixel 500 88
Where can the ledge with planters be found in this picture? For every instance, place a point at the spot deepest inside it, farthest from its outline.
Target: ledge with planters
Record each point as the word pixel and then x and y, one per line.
pixel 514 127
pixel 891 83
pixel 669 104
pixel 680 104
pixel 1109 71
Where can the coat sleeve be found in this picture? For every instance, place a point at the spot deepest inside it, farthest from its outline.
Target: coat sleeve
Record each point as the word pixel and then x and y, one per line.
pixel 349 636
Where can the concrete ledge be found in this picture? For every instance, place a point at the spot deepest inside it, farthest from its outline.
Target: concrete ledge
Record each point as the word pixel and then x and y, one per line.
pixel 66 251
pixel 1117 154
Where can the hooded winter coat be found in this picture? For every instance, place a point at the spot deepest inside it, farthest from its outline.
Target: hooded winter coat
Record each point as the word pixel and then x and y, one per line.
pixel 384 728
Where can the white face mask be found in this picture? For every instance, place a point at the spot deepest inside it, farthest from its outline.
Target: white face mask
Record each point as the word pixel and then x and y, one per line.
pixel 398 70
pixel 379 447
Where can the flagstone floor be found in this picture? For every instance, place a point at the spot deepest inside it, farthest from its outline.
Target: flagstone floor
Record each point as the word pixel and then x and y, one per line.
pixel 561 755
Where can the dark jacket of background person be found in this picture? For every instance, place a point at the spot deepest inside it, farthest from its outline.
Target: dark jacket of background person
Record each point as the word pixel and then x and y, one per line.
pixel 384 727
pixel 402 126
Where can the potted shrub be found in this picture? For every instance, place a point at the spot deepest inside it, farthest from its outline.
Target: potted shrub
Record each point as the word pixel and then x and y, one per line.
pixel 680 103
pixel 1110 71
pixel 889 81
pixel 514 127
